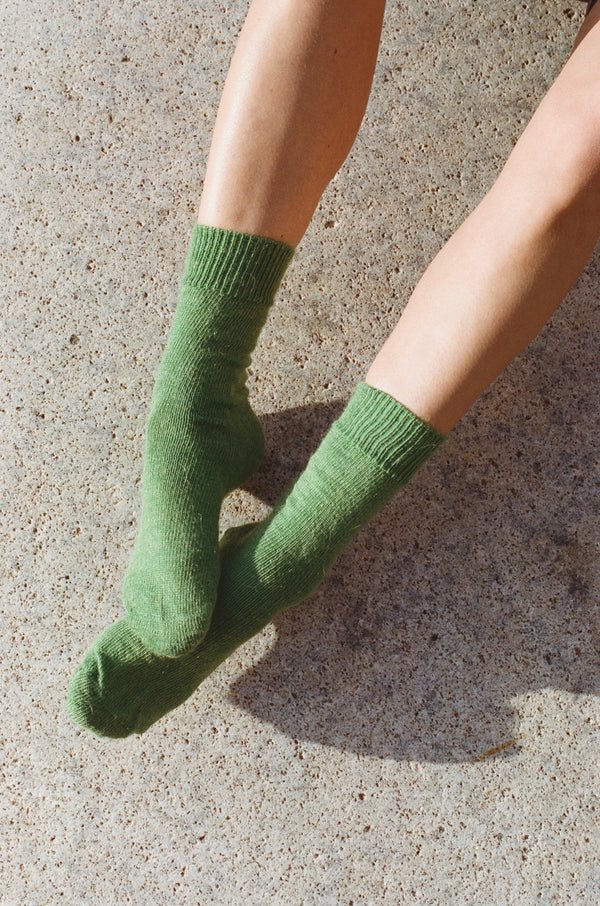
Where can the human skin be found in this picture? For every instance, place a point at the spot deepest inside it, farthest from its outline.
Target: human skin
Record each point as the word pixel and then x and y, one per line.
pixel 499 278
pixel 484 296
pixel 293 101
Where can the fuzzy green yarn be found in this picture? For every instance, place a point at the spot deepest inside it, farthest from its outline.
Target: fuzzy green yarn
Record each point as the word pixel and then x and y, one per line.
pixel 202 437
pixel 367 455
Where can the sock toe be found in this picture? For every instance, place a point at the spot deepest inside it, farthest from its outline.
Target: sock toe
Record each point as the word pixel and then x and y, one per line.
pixel 84 702
pixel 121 688
pixel 98 698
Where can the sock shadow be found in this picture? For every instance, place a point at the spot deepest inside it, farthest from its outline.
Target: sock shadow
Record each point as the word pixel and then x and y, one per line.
pixel 475 587
pixel 291 437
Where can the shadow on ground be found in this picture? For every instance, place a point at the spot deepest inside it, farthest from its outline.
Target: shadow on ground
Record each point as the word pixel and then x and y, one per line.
pixel 476 585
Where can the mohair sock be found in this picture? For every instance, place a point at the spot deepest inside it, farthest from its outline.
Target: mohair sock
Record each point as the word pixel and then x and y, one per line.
pixel 373 449
pixel 202 437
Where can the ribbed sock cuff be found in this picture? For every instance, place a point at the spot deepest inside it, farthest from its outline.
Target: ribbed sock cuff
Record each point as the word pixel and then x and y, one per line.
pixel 234 263
pixel 388 432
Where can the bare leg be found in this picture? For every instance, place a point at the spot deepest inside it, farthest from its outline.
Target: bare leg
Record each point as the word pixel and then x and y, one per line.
pixel 293 101
pixel 479 303
pixel 294 98
pixel 503 273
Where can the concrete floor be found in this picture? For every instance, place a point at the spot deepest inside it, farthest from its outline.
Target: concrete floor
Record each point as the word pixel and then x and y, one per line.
pixel 426 729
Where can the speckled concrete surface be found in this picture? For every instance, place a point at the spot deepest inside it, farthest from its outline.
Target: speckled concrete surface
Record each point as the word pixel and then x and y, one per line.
pixel 426 729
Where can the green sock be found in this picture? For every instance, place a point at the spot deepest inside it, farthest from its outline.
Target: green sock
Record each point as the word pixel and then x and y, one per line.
pixel 202 438
pixel 367 455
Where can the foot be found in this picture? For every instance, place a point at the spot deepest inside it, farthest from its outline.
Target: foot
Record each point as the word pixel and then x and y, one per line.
pixel 122 688
pixel 368 454
pixel 202 438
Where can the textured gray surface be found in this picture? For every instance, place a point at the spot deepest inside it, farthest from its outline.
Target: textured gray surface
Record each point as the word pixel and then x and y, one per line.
pixel 356 751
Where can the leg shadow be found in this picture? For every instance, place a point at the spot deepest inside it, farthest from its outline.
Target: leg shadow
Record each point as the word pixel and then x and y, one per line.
pixel 476 585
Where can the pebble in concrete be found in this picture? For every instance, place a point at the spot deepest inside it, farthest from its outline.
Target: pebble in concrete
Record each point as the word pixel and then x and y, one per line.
pixel 426 728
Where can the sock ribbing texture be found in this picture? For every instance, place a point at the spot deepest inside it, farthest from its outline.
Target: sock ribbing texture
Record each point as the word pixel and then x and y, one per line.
pixel 202 437
pixel 368 454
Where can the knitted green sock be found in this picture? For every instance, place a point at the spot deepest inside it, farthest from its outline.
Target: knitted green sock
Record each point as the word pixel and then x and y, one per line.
pixel 202 438
pixel 367 455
